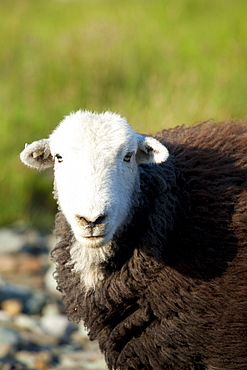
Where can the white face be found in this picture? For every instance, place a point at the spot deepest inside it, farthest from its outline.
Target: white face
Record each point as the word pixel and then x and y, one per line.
pixel 95 159
pixel 95 174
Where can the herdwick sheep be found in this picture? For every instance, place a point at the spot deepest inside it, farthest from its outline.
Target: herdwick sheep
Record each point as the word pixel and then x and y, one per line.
pixel 152 251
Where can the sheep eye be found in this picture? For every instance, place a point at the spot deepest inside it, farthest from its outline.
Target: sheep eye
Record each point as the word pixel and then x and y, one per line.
pixel 59 158
pixel 128 157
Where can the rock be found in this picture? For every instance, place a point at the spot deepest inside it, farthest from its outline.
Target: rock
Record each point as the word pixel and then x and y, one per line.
pixel 6 350
pixel 29 264
pixel 4 316
pixel 11 364
pixel 50 282
pixel 80 337
pixel 33 302
pixel 83 330
pixel 51 309
pixel 36 302
pixel 83 360
pixel 34 242
pixel 35 360
pixel 38 340
pixel 7 263
pixel 29 323
pixel 57 325
pixel 24 263
pixel 18 239
pixel 12 306
pixel 43 360
pixel 9 336
pixel 51 241
pixel 27 358
pixel 10 241
pixel 11 291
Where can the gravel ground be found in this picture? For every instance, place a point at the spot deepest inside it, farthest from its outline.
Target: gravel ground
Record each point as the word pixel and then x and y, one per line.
pixel 34 331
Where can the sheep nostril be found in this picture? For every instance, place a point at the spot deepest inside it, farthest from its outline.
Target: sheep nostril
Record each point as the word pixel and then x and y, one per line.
pixel 82 220
pixel 100 220
pixel 86 223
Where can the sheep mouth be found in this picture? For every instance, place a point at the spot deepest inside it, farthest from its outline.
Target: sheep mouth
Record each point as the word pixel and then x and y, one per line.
pixel 95 240
pixel 97 237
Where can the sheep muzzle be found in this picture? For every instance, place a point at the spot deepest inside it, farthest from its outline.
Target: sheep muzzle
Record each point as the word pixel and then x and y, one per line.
pixel 92 229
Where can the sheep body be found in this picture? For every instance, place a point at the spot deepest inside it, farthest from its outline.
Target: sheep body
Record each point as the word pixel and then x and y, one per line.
pixel 173 293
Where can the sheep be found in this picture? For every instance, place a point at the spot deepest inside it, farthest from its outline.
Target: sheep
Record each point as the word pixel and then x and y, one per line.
pixel 151 250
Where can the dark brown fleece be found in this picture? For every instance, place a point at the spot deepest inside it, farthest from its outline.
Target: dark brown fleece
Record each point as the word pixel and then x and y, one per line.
pixel 175 292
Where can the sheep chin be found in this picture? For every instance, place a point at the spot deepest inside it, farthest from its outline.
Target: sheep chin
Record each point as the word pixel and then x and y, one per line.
pixel 88 261
pixel 93 242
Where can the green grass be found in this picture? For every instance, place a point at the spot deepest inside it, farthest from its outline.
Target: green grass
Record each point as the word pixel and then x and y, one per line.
pixel 158 63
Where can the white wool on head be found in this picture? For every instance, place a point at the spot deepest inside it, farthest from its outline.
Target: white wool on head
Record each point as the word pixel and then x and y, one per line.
pixel 95 159
pixel 93 179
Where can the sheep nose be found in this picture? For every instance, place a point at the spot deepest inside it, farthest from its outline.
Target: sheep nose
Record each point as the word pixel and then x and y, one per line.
pixel 83 221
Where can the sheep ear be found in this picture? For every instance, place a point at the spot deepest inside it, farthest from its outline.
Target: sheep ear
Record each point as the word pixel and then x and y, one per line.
pixel 37 155
pixel 150 150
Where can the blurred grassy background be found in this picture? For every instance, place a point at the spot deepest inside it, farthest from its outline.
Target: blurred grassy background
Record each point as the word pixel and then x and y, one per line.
pixel 159 63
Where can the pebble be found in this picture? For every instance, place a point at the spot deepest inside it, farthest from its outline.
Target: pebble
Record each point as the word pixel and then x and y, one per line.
pixel 4 316
pixel 34 331
pixel 27 358
pixel 10 241
pixel 50 282
pixel 28 322
pixel 23 264
pixel 9 336
pixel 57 325
pixel 12 306
pixel 43 360
pixel 33 301
pixel 6 349
pixel 79 358
pixel 36 302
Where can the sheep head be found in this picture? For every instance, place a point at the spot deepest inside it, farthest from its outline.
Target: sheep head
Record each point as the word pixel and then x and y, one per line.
pixel 95 159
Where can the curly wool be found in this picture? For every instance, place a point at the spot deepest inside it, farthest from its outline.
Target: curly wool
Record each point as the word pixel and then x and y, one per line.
pixel 174 294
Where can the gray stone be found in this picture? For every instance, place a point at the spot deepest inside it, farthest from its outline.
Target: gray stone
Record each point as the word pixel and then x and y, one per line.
pixel 30 323
pixel 36 302
pixel 10 241
pixel 33 301
pixel 4 316
pixel 6 349
pixel 27 358
pixel 11 291
pixel 86 360
pixel 50 282
pixel 57 325
pixel 51 309
pixel 39 340
pixel 9 336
